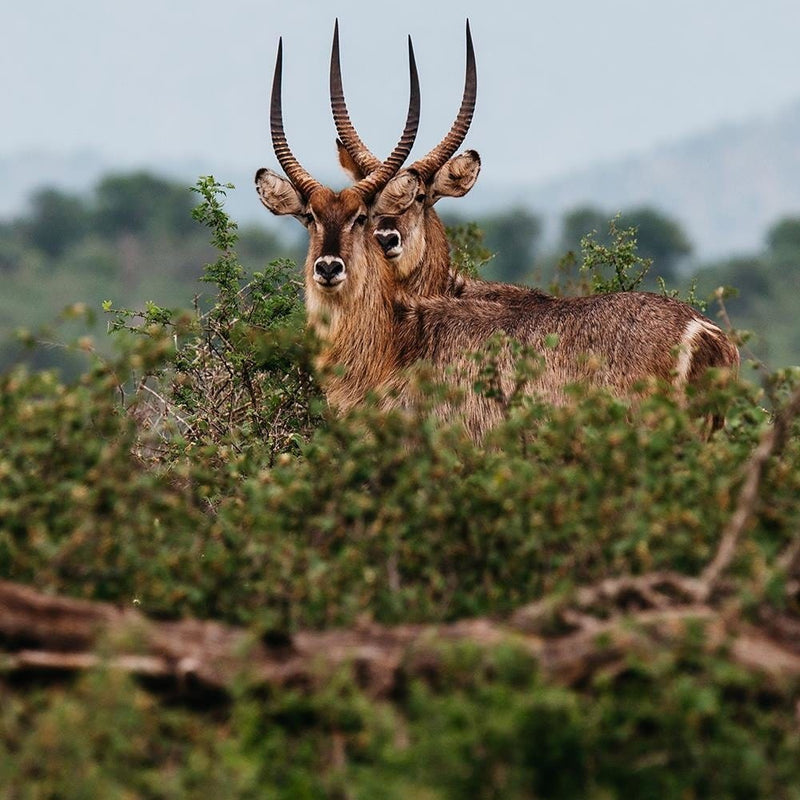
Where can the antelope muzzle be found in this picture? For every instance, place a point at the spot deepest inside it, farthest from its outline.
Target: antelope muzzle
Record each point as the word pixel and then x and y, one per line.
pixel 329 272
pixel 389 238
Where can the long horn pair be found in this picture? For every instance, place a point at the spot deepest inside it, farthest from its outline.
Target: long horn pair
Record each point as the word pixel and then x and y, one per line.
pixel 382 172
pixel 436 158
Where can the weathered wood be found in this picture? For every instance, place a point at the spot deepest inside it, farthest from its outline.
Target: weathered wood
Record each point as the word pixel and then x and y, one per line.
pixel 43 632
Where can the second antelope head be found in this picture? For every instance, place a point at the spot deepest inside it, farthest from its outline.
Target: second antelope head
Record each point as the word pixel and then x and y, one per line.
pixel 402 218
pixel 341 251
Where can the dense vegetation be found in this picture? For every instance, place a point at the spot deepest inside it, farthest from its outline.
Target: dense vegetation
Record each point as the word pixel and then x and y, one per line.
pixel 133 238
pixel 194 472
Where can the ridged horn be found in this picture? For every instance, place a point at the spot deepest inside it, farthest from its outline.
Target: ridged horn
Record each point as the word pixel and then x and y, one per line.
pixel 301 179
pixel 369 185
pixel 427 165
pixel 434 160
pixel 348 137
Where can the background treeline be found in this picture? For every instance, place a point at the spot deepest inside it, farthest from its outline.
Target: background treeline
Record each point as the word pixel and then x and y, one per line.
pixel 133 239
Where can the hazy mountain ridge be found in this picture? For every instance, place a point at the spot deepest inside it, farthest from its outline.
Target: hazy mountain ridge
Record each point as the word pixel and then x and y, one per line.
pixel 22 174
pixel 726 186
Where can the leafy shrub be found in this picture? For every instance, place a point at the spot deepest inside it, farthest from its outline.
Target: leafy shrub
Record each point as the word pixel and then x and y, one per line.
pixel 279 521
pixel 241 371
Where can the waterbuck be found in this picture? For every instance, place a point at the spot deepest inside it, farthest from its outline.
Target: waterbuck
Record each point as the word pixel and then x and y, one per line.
pixel 403 219
pixel 372 329
pixel 665 338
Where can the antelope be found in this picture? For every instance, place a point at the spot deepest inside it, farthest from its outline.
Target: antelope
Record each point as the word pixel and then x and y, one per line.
pixel 372 329
pixel 405 223
pixel 667 339
pixel 349 286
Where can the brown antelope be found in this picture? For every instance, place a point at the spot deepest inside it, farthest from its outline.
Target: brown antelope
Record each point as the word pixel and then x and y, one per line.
pixel 404 220
pixel 346 273
pixel 405 223
pixel 372 330
pixel 666 338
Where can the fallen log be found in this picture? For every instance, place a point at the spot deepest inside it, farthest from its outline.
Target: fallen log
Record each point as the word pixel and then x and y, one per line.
pixel 43 632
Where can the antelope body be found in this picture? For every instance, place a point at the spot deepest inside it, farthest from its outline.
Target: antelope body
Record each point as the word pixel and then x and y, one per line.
pixel 375 320
pixel 633 334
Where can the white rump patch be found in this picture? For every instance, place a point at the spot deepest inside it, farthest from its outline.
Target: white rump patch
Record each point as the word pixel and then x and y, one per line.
pixel 686 347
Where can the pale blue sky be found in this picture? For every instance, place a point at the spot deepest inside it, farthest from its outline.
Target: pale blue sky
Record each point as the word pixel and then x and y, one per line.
pixel 561 84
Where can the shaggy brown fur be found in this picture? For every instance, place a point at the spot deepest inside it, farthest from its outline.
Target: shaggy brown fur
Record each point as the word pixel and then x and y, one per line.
pixel 372 330
pixel 631 335
pixel 376 323
pixel 599 340
pixel 616 341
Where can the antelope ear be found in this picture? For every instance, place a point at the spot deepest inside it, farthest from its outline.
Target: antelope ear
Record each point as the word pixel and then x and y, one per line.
pixel 278 193
pixel 398 194
pixel 348 164
pixel 456 177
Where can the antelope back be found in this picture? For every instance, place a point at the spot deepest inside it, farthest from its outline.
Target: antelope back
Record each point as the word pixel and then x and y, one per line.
pixel 627 343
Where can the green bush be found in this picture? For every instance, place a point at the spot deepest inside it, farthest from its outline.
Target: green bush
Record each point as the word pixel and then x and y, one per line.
pixel 121 486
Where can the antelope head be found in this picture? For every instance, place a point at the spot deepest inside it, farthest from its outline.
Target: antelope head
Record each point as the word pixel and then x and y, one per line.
pixel 341 250
pixel 402 217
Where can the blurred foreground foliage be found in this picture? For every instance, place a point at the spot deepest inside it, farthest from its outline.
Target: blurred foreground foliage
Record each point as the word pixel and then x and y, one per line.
pixel 129 485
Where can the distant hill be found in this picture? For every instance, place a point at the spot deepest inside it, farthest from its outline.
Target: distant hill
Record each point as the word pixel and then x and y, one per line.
pixel 726 186
pixel 22 174
pixel 76 172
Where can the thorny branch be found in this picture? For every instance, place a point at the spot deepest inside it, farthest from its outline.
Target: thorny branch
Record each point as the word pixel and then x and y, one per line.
pixel 660 590
pixel 772 442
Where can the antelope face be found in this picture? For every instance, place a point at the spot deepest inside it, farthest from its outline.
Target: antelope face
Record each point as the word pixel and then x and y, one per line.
pixel 399 215
pixel 336 225
pixel 402 214
pixel 336 222
pixel 397 218
pixel 336 228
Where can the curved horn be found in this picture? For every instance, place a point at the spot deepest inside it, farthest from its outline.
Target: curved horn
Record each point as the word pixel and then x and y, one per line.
pixel 301 179
pixel 351 141
pixel 376 180
pixel 427 165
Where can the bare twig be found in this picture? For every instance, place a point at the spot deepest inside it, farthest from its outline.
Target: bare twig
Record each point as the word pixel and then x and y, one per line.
pixel 726 320
pixel 167 406
pixel 771 443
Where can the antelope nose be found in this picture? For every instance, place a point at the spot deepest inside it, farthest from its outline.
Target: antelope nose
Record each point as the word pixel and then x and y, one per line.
pixel 388 239
pixel 328 268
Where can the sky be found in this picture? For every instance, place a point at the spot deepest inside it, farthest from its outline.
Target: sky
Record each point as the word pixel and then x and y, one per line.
pixel 561 85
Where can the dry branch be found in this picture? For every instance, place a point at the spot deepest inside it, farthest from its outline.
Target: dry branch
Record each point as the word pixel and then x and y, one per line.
pixel 42 632
pixel 771 443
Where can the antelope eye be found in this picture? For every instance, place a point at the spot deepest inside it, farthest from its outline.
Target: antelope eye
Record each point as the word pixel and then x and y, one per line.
pixel 309 218
pixel 419 198
pixel 360 219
